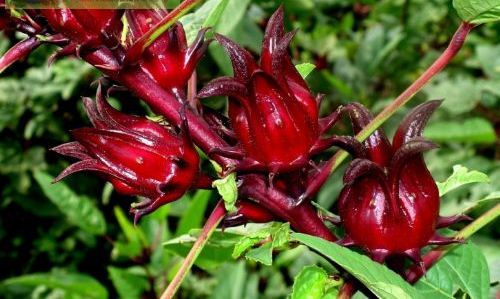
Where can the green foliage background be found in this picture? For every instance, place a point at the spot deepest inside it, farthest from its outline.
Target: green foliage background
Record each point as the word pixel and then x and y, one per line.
pixel 75 239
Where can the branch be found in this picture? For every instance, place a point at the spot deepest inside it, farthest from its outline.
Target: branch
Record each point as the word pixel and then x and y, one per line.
pixel 212 222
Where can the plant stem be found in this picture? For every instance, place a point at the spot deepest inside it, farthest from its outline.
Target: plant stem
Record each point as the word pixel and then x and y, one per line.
pixel 439 64
pixel 414 273
pixel 209 227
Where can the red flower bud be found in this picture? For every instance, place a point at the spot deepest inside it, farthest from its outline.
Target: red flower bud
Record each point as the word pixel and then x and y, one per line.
pixel 168 60
pixel 138 156
pixel 271 109
pixel 390 202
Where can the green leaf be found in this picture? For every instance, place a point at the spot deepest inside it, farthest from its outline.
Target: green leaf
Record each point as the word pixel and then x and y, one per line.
pixel 231 281
pixel 473 130
pixel 217 250
pixel 79 210
pixel 275 236
pixel 193 216
pixel 215 14
pixel 262 254
pixel 206 16
pixel 461 176
pixel 311 283
pixel 379 279
pixel 73 284
pixel 463 268
pixel 478 11
pixel 305 69
pixel 228 190
pixel 128 285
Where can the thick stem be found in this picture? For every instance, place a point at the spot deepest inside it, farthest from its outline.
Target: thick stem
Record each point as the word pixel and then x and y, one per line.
pixel 454 46
pixel 414 273
pixel 212 222
pixel 303 218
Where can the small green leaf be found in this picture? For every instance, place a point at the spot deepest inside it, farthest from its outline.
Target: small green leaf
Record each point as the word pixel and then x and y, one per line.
pixel 473 131
pixel 73 284
pixel 463 268
pixel 305 69
pixel 228 190
pixel 80 210
pixel 379 279
pixel 461 176
pixel 478 11
pixel 311 283
pixel 262 254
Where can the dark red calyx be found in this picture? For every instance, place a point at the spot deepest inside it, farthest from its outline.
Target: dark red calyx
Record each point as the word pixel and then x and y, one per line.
pixel 86 28
pixel 138 156
pixel 168 60
pixel 389 205
pixel 271 109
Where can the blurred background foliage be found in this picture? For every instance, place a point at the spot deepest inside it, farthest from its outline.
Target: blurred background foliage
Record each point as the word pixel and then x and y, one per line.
pixel 76 240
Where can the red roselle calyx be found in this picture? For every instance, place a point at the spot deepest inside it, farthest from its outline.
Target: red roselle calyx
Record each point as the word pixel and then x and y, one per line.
pixel 168 60
pixel 272 112
pixel 389 205
pixel 138 156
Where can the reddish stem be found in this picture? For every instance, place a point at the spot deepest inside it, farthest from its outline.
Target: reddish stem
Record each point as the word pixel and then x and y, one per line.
pixel 210 225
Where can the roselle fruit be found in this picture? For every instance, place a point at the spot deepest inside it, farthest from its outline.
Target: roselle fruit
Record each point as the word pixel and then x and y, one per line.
pixel 389 205
pixel 168 60
pixel 272 112
pixel 138 156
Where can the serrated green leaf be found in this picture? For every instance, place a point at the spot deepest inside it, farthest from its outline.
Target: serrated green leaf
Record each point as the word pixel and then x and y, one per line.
pixel 262 254
pixel 462 268
pixel 305 69
pixel 461 176
pixel 310 283
pixel 228 190
pixel 73 284
pixel 478 11
pixel 379 279
pixel 79 210
pixel 473 130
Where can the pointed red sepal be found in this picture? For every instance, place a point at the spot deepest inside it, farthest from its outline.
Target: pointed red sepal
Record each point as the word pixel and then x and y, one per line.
pixel 347 143
pixel 327 122
pixel 72 149
pixel 224 86
pixel 414 123
pixel 18 52
pixel 84 165
pixel 450 220
pixel 379 255
pixel 346 242
pixel 360 167
pixel 440 240
pixel 243 64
